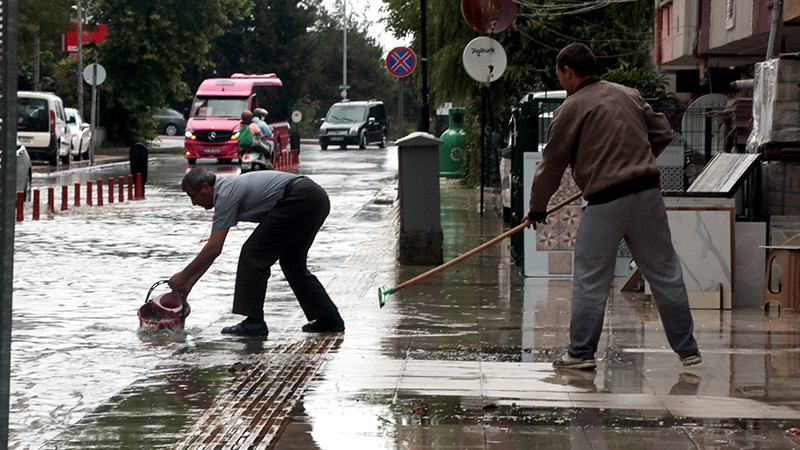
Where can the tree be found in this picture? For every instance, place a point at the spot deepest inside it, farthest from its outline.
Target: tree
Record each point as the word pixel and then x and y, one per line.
pixel 41 25
pixel 150 43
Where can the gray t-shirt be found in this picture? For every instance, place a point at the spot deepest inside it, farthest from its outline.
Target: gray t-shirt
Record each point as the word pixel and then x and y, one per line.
pixel 247 197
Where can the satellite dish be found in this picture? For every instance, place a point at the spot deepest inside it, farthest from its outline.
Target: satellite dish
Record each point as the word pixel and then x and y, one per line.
pixel 489 16
pixel 484 59
pixel 697 126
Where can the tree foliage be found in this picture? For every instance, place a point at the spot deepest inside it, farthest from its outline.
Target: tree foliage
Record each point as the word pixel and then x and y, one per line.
pixel 619 34
pixel 41 22
pixel 149 43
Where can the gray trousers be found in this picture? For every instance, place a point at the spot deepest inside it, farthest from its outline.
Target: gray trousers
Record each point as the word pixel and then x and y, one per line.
pixel 285 235
pixel 640 219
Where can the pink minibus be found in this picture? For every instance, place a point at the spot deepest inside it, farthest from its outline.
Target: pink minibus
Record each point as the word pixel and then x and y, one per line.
pixel 213 120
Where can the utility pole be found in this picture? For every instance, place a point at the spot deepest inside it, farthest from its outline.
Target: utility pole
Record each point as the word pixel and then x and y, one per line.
pixel 80 58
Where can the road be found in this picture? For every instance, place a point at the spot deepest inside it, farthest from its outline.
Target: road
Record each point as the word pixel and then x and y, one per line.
pixel 81 274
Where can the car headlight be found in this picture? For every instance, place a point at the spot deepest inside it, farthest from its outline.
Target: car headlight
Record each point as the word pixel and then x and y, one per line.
pixel 354 129
pixel 190 134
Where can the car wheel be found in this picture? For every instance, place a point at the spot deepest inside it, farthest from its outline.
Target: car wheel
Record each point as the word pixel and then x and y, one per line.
pixel 171 129
pixel 323 145
pixel 65 159
pixel 382 143
pixel 53 159
pixel 225 160
pixel 191 160
pixel 362 140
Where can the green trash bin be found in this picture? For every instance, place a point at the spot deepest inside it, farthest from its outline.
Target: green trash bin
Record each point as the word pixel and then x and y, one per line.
pixel 451 152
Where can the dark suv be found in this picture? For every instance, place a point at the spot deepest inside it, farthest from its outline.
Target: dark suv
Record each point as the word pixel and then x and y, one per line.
pixel 361 123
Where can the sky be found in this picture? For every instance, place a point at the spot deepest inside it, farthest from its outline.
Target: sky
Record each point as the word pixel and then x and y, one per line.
pixel 372 10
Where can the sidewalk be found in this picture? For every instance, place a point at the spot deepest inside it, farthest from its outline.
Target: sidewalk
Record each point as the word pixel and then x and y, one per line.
pixel 462 360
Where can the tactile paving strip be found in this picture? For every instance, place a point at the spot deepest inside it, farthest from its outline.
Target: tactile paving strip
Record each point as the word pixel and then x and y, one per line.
pixel 255 410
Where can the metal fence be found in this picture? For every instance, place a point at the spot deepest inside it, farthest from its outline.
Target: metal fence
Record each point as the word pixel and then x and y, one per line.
pixel 697 138
pixel 8 164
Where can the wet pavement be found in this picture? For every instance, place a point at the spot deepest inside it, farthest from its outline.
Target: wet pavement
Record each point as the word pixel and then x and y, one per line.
pixel 460 360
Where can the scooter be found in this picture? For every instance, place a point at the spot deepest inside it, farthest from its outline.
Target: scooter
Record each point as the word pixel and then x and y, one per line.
pixel 257 157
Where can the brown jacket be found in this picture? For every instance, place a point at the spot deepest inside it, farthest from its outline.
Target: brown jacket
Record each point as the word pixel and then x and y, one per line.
pixel 608 135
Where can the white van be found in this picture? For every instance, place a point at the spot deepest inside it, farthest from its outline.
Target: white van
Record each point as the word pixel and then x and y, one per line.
pixel 42 126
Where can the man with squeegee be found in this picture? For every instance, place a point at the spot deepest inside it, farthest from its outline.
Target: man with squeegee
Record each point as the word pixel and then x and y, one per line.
pixel 610 137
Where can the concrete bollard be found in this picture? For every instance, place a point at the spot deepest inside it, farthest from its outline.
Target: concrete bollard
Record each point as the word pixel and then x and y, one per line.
pixel 420 209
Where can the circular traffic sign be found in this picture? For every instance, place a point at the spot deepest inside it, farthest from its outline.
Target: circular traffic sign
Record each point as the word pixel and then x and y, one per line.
pixel 484 59
pixel 401 61
pixel 297 116
pixel 94 74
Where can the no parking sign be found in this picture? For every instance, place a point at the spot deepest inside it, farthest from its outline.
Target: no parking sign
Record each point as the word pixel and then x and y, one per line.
pixel 401 61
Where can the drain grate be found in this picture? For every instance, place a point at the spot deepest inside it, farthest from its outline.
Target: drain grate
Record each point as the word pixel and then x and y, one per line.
pixel 256 409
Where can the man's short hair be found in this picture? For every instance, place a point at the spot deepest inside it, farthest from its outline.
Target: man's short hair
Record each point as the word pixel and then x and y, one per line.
pixel 579 58
pixel 195 178
pixel 247 115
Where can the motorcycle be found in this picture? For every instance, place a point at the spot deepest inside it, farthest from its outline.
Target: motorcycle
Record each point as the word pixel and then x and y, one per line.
pixel 257 157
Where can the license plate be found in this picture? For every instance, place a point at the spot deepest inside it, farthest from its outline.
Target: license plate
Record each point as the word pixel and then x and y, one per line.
pixel 212 150
pixel 26 140
pixel 336 138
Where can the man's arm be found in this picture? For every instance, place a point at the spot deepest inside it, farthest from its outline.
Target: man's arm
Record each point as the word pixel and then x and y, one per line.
pixel 184 280
pixel 659 130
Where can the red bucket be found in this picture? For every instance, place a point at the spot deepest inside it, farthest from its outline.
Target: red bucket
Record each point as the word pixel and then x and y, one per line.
pixel 165 310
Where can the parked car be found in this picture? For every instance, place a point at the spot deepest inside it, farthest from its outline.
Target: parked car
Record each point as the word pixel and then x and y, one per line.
pixel 170 122
pixel 24 171
pixel 42 126
pixel 81 134
pixel 350 123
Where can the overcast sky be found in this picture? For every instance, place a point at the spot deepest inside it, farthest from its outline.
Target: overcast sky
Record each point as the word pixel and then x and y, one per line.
pixel 371 10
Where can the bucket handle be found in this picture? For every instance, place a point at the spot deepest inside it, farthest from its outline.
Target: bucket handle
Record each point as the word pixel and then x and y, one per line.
pixel 157 283
pixel 182 294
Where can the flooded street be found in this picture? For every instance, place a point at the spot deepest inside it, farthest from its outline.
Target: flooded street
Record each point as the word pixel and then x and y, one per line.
pixel 80 277
pixel 461 359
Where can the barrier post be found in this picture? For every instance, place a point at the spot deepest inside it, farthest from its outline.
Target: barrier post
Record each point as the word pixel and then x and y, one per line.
pixel 64 195
pixel 121 189
pixel 130 187
pixel 77 195
pixel 110 190
pixel 139 187
pixel 35 204
pixel 89 193
pixel 51 202
pixel 20 206
pixel 99 192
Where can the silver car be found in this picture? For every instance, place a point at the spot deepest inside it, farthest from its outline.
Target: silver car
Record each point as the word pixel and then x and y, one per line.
pixel 24 171
pixel 81 134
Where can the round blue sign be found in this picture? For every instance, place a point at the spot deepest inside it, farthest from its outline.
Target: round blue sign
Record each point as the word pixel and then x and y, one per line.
pixel 401 61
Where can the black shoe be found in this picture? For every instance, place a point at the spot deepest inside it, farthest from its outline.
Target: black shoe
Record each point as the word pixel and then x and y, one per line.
pixel 247 327
pixel 330 323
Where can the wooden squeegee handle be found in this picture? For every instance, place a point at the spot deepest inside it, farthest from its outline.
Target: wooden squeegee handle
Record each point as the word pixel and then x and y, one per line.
pixel 483 246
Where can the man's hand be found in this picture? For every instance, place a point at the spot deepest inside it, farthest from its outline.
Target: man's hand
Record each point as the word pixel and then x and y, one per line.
pixel 533 217
pixel 180 283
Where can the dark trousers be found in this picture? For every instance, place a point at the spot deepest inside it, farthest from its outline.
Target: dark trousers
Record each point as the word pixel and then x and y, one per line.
pixel 285 235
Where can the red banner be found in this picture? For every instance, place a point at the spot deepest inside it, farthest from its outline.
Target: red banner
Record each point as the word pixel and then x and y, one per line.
pixel 91 33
